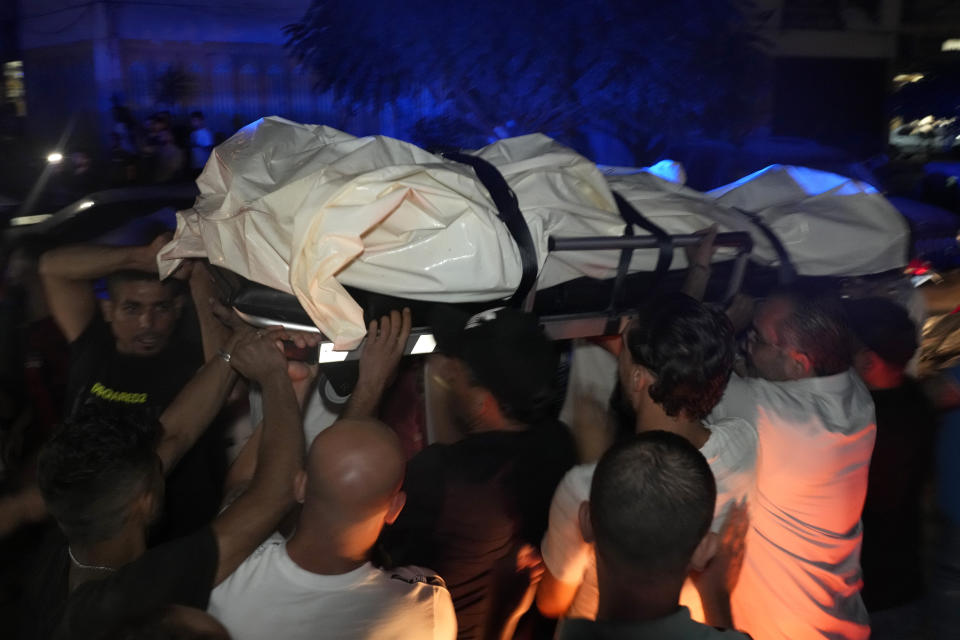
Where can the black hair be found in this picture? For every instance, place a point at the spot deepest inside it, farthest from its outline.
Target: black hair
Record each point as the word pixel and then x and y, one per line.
pixel 884 327
pixel 651 503
pixel 132 275
pixel 816 326
pixel 93 467
pixel 689 347
pixel 197 114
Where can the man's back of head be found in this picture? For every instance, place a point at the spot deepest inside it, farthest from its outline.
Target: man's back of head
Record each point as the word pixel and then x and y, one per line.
pixel 885 339
pixel 651 504
pixel 92 470
pixel 321 580
pixel 505 353
pixel 688 347
pixel 352 485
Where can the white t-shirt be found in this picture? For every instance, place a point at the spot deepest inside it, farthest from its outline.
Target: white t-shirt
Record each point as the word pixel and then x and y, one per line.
pixel 801 573
pixel 730 450
pixel 270 596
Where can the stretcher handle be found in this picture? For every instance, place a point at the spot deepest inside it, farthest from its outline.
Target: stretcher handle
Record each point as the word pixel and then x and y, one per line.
pixel 740 240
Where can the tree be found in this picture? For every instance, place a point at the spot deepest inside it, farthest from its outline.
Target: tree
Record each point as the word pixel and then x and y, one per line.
pixel 637 69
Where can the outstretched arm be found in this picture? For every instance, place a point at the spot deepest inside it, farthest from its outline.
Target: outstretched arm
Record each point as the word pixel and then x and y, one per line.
pixel 215 324
pixel 256 513
pixel 68 274
pixel 198 403
pixel 302 376
pixel 382 351
pixel 194 408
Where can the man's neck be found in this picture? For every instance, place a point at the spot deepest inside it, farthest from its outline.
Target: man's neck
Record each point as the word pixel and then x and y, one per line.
pixel 652 417
pixel 114 553
pixel 624 599
pixel 320 552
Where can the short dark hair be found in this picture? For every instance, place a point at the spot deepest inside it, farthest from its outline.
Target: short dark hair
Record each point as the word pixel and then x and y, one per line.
pixel 817 327
pixel 197 114
pixel 506 352
pixel 689 347
pixel 116 278
pixel 884 327
pixel 651 503
pixel 93 467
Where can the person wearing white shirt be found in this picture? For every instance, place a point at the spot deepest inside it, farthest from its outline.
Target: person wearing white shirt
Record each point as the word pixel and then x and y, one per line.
pixel 675 362
pixel 320 582
pixel 815 425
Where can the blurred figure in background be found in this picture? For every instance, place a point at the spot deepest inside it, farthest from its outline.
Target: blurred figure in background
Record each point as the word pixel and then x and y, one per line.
pixel 885 340
pixel 201 143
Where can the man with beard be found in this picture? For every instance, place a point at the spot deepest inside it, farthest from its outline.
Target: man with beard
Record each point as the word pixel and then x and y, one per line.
pixel 477 508
pixel 674 362
pixel 815 429
pixel 128 356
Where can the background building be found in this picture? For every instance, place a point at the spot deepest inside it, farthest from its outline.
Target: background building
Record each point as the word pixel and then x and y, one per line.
pixel 832 66
pixel 225 58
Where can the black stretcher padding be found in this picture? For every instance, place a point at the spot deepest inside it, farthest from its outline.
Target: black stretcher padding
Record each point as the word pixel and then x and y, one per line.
pixel 509 211
pixel 787 272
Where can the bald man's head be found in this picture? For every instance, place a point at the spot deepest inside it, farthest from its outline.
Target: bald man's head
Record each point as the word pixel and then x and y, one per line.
pixel 354 471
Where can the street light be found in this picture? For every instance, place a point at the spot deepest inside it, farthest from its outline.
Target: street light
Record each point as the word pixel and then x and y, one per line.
pixel 55 158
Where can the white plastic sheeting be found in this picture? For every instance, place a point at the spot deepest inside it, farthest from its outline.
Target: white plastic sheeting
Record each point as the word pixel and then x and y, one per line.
pixel 829 224
pixel 307 209
pixel 291 206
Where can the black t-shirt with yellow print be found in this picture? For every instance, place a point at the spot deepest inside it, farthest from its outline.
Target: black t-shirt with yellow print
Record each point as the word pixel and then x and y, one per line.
pixel 101 379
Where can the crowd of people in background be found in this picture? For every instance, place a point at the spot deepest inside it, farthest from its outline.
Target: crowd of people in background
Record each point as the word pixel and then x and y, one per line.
pixel 174 472
pixel 159 150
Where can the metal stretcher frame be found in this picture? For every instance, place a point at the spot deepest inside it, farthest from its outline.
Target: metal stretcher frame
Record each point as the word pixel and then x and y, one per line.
pixel 610 321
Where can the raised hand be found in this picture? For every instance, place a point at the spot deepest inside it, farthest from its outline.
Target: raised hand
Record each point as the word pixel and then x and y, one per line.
pixel 381 355
pixel 383 348
pixel 701 253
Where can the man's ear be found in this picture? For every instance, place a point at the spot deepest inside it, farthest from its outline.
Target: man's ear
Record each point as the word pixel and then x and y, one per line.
pixel 800 365
pixel 300 486
pixel 586 526
pixel 396 506
pixel 705 551
pixel 485 404
pixel 639 378
pixel 146 507
pixel 107 308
